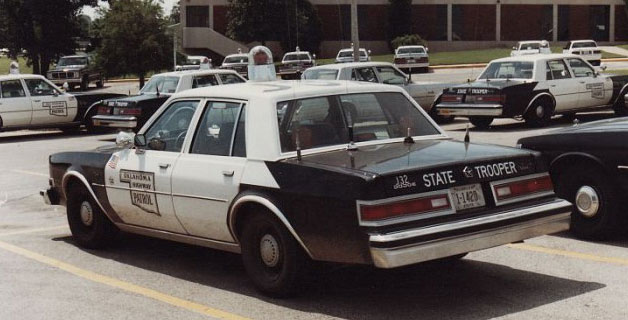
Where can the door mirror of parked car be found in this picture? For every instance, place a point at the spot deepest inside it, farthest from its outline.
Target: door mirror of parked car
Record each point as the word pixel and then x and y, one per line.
pixel 603 67
pixel 139 141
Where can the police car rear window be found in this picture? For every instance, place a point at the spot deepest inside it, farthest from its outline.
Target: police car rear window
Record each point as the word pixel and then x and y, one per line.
pixel 324 121
pixel 410 50
pixel 296 57
pixel 236 60
pixel 584 45
pixel 509 70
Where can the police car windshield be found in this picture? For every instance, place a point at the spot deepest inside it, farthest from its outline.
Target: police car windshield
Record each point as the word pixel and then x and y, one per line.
pixel 508 70
pixel 74 61
pixel 530 46
pixel 349 53
pixel 323 121
pixel 410 50
pixel 241 59
pixel 584 45
pixel 194 61
pixel 162 83
pixel 320 74
pixel 296 57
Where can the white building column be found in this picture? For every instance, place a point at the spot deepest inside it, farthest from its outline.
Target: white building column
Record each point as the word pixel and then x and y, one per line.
pixel 498 22
pixel 611 24
pixel 555 23
pixel 449 22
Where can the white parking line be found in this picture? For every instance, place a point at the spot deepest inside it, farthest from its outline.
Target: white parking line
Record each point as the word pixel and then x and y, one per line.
pixel 2 234
pixel 31 173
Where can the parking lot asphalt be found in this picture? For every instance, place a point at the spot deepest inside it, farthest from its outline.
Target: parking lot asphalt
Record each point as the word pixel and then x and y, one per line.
pixel 44 275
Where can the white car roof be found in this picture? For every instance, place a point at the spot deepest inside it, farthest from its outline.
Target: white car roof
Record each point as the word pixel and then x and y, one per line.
pixel 413 46
pixel 349 49
pixel 338 66
pixel 285 90
pixel 296 52
pixel 536 57
pixel 195 72
pixel 574 41
pixel 20 76
pixel 237 55
pixel 530 41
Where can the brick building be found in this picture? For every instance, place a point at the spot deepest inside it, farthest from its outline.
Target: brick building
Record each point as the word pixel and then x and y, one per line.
pixel 446 24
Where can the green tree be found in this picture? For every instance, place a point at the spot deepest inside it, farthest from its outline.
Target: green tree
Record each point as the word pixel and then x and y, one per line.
pixel 45 29
pixel 399 18
pixel 253 20
pixel 300 26
pixel 133 39
pixel 175 14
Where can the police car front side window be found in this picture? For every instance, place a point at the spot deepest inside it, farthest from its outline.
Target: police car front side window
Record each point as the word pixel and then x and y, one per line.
pixel 39 87
pixel 391 76
pixel 580 68
pixel 172 126
pixel 558 69
pixel 204 81
pixel 215 131
pixel 12 89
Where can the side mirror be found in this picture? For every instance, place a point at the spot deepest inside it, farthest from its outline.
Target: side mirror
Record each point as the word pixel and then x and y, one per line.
pixel 139 140
pixel 156 144
pixel 563 73
pixel 55 93
pixel 604 67
pixel 427 49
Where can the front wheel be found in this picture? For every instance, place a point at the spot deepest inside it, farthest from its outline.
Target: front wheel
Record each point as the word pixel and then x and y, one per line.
pixel 271 256
pixel 89 225
pixel 481 122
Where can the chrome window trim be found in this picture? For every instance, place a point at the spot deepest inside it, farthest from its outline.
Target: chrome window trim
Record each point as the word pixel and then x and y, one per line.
pixel 405 217
pixel 521 198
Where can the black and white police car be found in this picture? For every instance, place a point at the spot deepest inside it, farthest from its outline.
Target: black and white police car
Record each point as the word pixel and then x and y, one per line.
pixel 534 88
pixel 291 171
pixel 29 101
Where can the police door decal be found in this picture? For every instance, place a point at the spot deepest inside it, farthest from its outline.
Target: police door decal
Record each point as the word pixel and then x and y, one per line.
pixel 56 108
pixel 142 185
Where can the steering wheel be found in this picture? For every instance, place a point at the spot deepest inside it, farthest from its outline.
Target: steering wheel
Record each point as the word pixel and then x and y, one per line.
pixel 180 139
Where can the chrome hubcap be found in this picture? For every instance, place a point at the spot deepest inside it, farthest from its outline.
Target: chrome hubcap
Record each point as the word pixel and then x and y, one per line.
pixel 87 214
pixel 540 111
pixel 587 201
pixel 269 250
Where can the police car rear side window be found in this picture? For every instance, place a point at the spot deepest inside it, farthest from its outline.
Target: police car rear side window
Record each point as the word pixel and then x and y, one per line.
pixel 324 121
pixel 12 89
pixel 204 81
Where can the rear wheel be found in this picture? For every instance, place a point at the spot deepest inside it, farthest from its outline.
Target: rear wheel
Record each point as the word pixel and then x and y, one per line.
pixel 481 122
pixel 90 227
pixel 272 258
pixel 539 114
pixel 595 214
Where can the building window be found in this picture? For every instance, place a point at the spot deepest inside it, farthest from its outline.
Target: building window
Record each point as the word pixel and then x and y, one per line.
pixel 197 16
pixel 523 22
pixel 583 22
pixel 473 22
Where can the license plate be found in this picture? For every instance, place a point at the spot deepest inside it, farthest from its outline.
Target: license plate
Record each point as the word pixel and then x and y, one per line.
pixel 444 112
pixel 411 61
pixel 467 197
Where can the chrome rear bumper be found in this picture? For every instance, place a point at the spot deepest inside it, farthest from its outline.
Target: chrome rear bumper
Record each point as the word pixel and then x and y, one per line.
pixel 469 235
pixel 464 109
pixel 127 122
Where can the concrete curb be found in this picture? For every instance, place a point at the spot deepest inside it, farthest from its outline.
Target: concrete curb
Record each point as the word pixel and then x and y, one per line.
pixel 124 80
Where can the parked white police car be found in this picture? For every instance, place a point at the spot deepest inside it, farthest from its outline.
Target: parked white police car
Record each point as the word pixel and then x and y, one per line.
pixel 534 88
pixel 30 101
pixel 288 171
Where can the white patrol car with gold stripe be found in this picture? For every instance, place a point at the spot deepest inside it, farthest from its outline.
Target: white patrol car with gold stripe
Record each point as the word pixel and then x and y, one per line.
pixel 287 172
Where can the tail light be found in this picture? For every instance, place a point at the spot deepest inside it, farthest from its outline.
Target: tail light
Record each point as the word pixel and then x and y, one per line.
pixel 377 212
pixel 400 60
pixel 522 188
pixel 130 111
pixel 451 98
pixel 423 59
pixel 491 98
pixel 104 110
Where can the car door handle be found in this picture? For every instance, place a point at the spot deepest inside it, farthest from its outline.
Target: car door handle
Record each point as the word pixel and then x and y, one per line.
pixel 228 173
pixel 553 85
pixel 36 100
pixel 164 165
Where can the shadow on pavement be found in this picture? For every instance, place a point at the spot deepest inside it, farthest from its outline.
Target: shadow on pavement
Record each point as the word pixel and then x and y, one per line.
pixel 52 134
pixel 620 239
pixel 465 289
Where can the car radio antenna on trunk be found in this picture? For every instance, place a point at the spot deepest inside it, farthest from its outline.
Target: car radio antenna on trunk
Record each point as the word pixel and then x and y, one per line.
pixel 467 138
pixel 408 138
